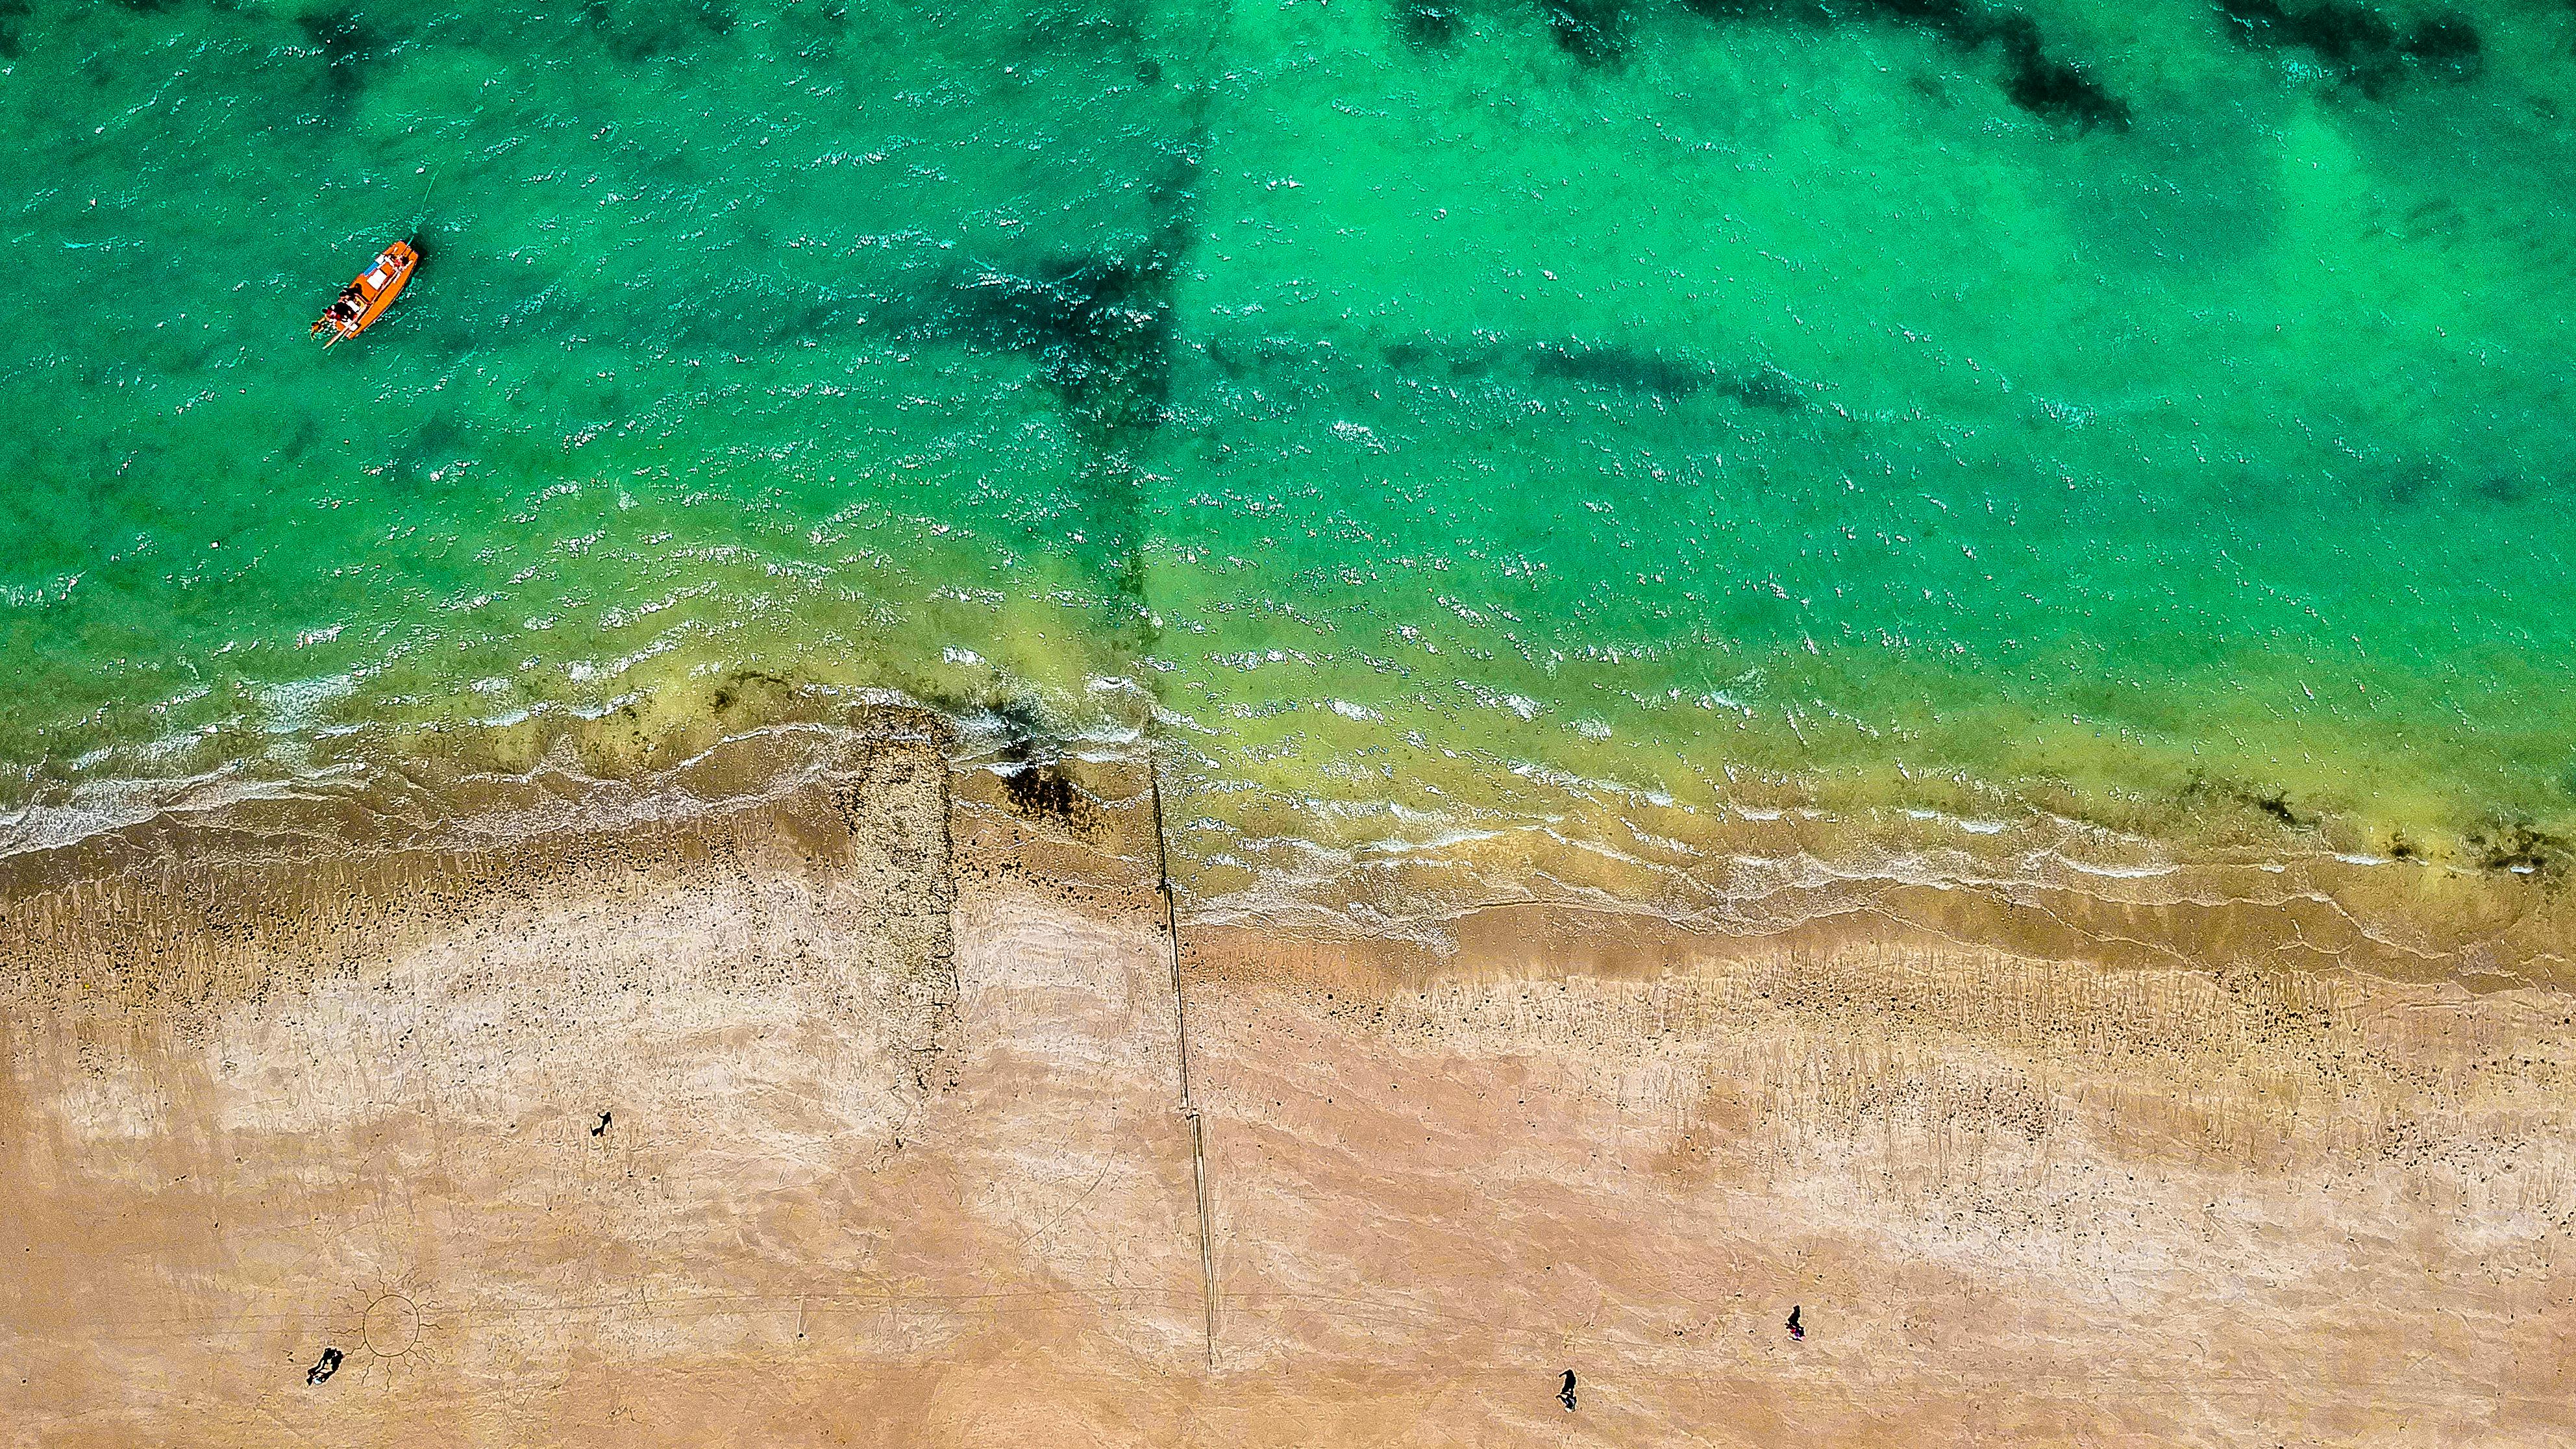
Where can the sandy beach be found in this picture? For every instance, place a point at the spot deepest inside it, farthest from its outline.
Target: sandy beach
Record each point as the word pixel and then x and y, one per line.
pixel 857 1113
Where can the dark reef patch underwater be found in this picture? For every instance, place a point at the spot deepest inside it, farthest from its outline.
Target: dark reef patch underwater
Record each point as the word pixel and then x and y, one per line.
pixel 1442 421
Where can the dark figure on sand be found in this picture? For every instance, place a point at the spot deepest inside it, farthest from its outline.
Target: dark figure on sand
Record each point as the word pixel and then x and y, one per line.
pixel 329 1365
pixel 1794 1330
pixel 1565 1395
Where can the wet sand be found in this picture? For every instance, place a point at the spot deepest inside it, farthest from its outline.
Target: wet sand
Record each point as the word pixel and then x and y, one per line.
pixel 855 1114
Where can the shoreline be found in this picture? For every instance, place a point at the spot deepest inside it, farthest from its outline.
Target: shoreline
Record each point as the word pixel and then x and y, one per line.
pixel 1414 884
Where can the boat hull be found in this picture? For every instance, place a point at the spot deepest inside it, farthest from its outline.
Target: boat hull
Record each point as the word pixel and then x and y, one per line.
pixel 376 288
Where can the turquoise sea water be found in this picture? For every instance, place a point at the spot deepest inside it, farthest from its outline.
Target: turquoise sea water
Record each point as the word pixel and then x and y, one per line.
pixel 2154 413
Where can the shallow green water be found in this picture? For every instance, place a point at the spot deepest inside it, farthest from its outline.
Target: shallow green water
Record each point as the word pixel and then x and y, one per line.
pixel 1448 406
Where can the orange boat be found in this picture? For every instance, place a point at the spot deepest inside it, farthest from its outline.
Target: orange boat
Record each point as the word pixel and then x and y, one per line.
pixel 364 300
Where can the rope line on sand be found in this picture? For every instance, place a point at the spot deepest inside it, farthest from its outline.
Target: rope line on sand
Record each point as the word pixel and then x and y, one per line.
pixel 1181 1025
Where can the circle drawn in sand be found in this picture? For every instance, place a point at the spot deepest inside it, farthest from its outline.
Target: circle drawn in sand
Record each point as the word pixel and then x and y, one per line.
pixel 392 1326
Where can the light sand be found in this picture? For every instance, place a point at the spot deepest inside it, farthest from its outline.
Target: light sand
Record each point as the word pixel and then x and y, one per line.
pixel 895 1153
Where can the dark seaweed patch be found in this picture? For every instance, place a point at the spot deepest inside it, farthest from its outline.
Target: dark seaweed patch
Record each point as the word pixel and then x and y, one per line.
pixel 2521 849
pixel 1594 32
pixel 1457 363
pixel 2360 46
pixel 1037 782
pixel 1046 791
pixel 761 694
pixel 2276 805
pixel 2052 89
pixel 2505 488
pixel 1130 579
pixel 346 45
pixel 13 27
pixel 441 441
pixel 1022 729
pixel 2449 44
pixel 810 31
pixel 1429 25
pixel 2059 91
pixel 1099 323
pixel 1622 368
pixel 1769 387
pixel 656 28
pixel 339 34
pixel 1101 326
